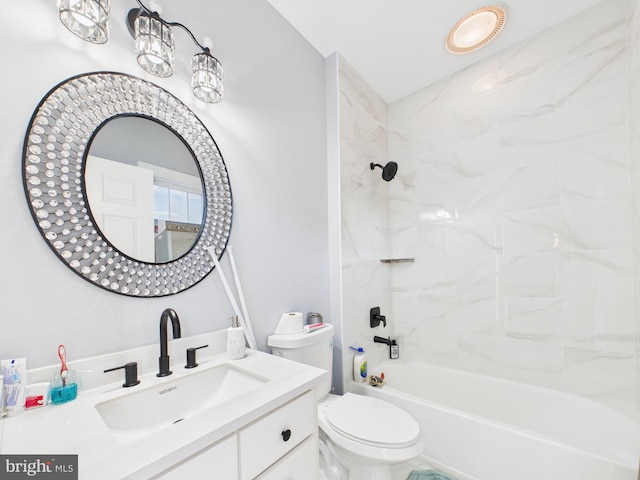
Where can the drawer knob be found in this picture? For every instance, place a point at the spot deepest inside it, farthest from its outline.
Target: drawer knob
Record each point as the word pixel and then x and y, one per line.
pixel 286 434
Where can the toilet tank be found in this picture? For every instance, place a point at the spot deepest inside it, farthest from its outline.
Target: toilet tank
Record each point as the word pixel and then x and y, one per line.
pixel 314 348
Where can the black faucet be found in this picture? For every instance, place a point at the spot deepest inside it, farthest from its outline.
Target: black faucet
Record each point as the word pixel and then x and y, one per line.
pixel 163 361
pixel 394 349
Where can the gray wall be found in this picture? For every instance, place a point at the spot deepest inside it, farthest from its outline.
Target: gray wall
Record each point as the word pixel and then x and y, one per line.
pixel 270 129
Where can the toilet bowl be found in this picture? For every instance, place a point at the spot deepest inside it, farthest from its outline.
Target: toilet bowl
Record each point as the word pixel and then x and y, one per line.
pixel 365 436
pixel 360 436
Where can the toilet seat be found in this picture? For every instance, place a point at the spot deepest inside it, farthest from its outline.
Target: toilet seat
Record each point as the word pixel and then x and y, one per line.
pixel 371 421
pixel 360 444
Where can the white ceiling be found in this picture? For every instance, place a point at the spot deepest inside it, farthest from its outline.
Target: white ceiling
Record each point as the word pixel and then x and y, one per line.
pixel 398 46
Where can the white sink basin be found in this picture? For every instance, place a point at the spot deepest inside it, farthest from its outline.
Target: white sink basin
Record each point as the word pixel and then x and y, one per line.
pixel 171 401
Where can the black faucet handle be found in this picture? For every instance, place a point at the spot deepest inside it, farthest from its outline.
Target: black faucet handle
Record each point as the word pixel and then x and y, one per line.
pixel 375 318
pixel 191 356
pixel 130 374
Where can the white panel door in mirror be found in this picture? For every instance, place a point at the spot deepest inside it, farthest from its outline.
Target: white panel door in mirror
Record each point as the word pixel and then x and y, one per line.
pixel 121 199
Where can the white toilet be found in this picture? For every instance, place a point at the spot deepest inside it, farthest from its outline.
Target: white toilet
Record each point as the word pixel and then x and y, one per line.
pixel 360 436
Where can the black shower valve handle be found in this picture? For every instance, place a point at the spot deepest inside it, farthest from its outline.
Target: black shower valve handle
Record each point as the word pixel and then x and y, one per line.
pixel 375 318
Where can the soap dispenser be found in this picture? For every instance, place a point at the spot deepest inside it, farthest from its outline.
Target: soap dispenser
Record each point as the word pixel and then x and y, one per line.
pixel 236 348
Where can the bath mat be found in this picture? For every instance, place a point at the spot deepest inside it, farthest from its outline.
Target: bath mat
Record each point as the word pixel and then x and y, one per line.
pixel 428 475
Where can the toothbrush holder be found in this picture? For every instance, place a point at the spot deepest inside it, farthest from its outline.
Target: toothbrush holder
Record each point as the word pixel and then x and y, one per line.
pixel 63 392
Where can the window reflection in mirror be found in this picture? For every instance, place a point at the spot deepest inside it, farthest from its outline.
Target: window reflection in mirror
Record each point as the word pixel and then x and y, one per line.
pixel 144 189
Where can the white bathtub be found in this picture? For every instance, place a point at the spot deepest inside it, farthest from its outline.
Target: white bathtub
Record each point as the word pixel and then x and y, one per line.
pixel 476 427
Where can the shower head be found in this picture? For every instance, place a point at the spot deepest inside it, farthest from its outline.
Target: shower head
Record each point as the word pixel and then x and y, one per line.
pixel 388 171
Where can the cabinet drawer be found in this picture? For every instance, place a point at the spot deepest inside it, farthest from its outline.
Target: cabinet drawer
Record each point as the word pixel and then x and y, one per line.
pixel 302 462
pixel 219 461
pixel 272 436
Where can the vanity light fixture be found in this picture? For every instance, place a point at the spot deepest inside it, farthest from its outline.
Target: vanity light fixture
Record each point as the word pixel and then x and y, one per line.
pixel 88 19
pixel 476 29
pixel 206 78
pixel 155 46
pixel 154 42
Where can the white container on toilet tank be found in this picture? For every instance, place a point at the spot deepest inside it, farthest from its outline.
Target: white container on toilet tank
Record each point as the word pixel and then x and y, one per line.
pixel 317 342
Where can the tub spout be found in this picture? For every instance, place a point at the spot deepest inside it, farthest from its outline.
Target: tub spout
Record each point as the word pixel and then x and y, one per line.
pixel 386 341
pixel 394 349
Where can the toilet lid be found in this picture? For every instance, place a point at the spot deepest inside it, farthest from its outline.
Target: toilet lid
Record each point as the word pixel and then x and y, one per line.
pixel 372 421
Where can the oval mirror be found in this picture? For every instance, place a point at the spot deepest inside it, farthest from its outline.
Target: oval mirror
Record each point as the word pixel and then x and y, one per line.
pixel 144 189
pixel 62 152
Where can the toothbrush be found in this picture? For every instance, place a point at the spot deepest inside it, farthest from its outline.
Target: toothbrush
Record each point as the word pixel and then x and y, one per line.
pixel 12 397
pixel 62 354
pixel 11 376
pixel 15 373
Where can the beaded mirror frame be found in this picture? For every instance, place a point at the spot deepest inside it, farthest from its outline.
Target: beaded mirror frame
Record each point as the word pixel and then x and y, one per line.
pixel 54 155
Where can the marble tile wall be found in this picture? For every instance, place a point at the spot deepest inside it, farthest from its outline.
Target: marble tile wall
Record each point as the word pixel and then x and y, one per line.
pixel 518 196
pixel 364 203
pixel 633 40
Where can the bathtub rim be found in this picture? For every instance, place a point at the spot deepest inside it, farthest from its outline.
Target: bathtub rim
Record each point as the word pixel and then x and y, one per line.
pixel 619 459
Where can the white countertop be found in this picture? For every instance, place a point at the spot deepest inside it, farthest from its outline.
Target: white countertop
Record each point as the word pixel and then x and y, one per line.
pixel 77 427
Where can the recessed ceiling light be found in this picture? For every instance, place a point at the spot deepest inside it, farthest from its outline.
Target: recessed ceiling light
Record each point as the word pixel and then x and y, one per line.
pixel 476 29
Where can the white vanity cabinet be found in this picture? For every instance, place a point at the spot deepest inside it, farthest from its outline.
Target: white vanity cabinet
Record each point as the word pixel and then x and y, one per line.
pixel 272 437
pixel 281 445
pixel 219 461
pixel 267 432
pixel 301 462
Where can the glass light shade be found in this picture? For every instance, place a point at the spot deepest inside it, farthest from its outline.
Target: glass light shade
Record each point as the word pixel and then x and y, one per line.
pixel 88 19
pixel 154 45
pixel 206 79
pixel 476 29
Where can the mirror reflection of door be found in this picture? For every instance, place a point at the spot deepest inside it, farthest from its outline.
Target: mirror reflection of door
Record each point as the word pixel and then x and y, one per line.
pixel 144 189
pixel 121 200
